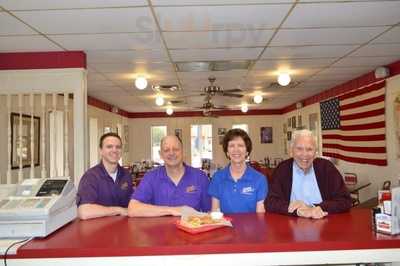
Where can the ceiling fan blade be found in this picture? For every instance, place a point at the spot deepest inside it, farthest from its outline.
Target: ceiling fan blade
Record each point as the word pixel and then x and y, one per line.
pixel 232 95
pixel 234 90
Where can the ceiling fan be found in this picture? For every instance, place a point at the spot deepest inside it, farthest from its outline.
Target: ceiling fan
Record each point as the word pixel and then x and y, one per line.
pixel 212 90
pixel 208 107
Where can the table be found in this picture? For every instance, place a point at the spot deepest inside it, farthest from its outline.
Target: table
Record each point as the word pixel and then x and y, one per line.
pixel 255 239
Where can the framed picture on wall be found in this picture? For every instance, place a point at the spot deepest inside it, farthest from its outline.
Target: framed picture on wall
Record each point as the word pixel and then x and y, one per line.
pixel 126 138
pixel 299 122
pixel 222 131
pixel 289 135
pixel 266 134
pixel 21 144
pixel 178 133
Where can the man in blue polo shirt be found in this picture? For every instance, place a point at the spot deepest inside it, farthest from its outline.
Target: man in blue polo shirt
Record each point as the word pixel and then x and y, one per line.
pixel 166 189
pixel 105 189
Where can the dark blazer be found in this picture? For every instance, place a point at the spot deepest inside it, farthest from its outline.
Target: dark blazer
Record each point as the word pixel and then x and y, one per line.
pixel 335 196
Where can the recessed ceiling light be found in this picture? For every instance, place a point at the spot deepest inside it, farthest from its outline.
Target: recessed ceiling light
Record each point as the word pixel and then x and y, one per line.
pixel 244 108
pixel 141 82
pixel 284 79
pixel 159 100
pixel 169 111
pixel 258 98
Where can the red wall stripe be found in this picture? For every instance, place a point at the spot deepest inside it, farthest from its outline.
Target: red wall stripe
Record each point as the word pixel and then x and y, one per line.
pixel 42 60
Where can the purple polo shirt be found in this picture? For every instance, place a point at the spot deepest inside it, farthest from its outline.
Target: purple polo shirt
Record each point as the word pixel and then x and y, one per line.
pixel 157 188
pixel 96 186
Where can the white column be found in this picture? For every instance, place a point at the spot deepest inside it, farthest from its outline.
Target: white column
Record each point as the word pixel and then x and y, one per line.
pixel 9 138
pixel 80 130
pixel 20 176
pixel 54 162
pixel 32 172
pixel 43 134
pixel 66 159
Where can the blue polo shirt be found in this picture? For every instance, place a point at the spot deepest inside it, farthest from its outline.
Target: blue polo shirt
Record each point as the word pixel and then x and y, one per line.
pixel 157 188
pixel 98 187
pixel 240 196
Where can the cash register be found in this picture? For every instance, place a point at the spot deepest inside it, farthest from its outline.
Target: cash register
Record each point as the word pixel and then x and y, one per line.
pixel 36 207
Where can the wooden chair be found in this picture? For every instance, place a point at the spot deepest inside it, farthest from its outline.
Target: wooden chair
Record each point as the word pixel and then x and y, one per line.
pixel 351 181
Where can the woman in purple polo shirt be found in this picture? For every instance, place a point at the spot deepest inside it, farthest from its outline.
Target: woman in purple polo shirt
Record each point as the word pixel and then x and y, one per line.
pixel 238 187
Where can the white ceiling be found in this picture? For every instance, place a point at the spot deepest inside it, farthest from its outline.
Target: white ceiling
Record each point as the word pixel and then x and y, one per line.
pixel 321 43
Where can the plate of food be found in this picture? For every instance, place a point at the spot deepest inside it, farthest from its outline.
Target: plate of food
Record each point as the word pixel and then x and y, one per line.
pixel 198 223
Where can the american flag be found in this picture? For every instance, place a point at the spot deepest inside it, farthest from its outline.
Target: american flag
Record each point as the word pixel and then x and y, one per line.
pixel 353 126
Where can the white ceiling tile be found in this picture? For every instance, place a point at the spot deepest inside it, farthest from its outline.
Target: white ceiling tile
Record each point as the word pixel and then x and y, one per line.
pixel 126 56
pixel 90 20
pixel 293 63
pixel 93 88
pixel 327 36
pixel 26 44
pixel 94 83
pixel 351 71
pixel 51 4
pixel 216 2
pixel 217 39
pixel 379 50
pixel 115 41
pixel 11 26
pixel 344 14
pixel 214 54
pixel 140 67
pixel 238 17
pixel 392 36
pixel 307 51
pixel 219 75
pixel 364 61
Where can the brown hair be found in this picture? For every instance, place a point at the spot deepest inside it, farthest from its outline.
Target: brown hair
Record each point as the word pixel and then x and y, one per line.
pixel 106 135
pixel 237 133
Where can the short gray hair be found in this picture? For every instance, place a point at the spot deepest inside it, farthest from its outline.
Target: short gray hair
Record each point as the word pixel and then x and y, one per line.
pixel 303 133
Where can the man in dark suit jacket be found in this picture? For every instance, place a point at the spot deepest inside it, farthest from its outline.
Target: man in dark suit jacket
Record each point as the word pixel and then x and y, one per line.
pixel 307 186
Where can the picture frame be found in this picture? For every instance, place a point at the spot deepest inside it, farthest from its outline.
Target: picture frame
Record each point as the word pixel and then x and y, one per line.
pixel 126 138
pixel 178 133
pixel 23 149
pixel 289 135
pixel 266 135
pixel 294 122
pixel 222 131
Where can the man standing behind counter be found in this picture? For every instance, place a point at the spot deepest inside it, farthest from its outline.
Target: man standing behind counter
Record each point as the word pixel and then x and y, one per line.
pixel 167 189
pixel 105 189
pixel 307 186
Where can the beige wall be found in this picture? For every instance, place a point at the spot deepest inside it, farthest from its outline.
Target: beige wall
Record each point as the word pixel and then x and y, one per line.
pixel 140 135
pixel 108 119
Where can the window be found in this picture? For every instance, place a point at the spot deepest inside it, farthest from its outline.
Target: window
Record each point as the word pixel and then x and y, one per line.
pixel 157 133
pixel 201 144
pixel 245 127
